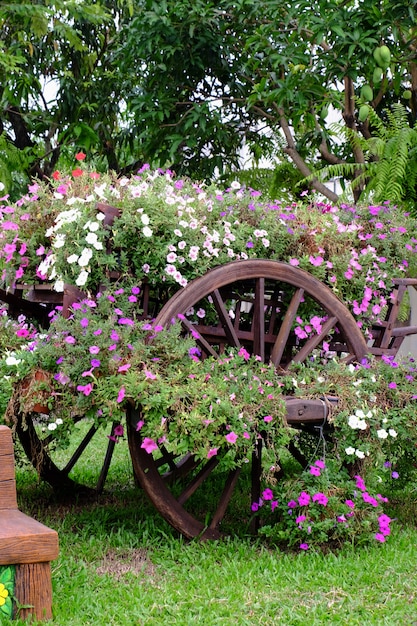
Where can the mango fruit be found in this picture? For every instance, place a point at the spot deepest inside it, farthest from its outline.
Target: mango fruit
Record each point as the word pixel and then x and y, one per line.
pixel 366 93
pixel 363 113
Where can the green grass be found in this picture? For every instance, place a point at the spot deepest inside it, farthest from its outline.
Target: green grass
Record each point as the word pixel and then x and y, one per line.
pixel 121 564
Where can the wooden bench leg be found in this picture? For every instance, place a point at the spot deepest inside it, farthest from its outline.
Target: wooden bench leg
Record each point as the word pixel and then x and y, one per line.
pixel 33 590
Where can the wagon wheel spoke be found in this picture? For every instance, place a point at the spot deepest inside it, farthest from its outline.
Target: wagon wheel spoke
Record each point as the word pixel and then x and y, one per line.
pixel 225 498
pixel 224 316
pixel 56 466
pixel 204 345
pixel 315 341
pixel 258 323
pixel 286 325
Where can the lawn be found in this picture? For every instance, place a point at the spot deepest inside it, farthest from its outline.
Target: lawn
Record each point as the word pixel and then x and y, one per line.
pixel 121 564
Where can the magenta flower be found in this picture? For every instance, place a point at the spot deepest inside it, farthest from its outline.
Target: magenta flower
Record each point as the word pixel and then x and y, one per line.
pixel 292 504
pixel 126 321
pixel 274 505
pixel 139 425
pixel 316 261
pixel 86 389
pixel 321 464
pixel 380 537
pixel 315 471
pixel 149 445
pixel 84 322
pixel 150 375
pixel 384 520
pixel 267 494
pixel 303 499
pixel 212 452
pixel 94 349
pixel 231 437
pixel 369 499
pixel 121 394
pixel 70 339
pixel 360 483
pixel 300 519
pixel 303 546
pixel 124 368
pixel 268 418
pixel 320 498
pixel 244 353
pixel 118 430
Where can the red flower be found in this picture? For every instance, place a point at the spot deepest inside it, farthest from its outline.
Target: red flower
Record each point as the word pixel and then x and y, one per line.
pixel 77 172
pixel 80 156
pixel 56 175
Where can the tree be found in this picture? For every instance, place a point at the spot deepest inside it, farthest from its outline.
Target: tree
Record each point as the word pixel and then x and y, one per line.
pixel 220 75
pixel 190 84
pixel 56 88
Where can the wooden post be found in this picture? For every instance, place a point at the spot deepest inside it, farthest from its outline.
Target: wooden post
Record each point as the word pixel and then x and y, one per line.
pixel 24 543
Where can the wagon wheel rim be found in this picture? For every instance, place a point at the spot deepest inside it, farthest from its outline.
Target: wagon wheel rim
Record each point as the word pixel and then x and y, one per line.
pixel 271 336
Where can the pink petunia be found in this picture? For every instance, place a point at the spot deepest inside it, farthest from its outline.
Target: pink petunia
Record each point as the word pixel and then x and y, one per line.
pixel 212 452
pixel 149 445
pixel 121 394
pixel 231 437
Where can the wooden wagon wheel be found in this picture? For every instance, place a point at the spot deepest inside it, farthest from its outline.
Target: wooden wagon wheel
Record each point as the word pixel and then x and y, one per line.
pixel 63 469
pixel 257 304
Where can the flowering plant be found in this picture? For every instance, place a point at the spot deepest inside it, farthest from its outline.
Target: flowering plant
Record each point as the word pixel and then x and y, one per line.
pixel 167 231
pixel 104 357
pixel 323 507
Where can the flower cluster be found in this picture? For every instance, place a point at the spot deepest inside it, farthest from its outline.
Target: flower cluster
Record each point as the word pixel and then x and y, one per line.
pixel 322 506
pixel 374 420
pixel 153 226
pixel 105 357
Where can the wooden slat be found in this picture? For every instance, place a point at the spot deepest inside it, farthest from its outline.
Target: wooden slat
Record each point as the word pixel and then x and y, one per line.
pixel 24 540
pixel 33 590
pixel 8 500
pixel 6 441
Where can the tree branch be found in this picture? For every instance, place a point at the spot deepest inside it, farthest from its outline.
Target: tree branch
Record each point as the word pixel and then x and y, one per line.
pixel 297 159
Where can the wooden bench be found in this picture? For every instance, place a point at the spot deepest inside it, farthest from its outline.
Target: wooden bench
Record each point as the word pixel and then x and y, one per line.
pixel 25 544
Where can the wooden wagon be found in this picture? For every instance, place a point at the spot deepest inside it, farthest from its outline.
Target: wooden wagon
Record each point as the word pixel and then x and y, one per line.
pixel 254 304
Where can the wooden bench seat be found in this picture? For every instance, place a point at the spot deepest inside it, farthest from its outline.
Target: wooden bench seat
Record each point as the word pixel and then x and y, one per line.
pixel 26 544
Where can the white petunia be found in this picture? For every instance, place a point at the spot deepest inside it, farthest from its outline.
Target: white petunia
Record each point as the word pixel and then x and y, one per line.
pixel 147 232
pixel 82 278
pixel 145 219
pixel 382 433
pixel 11 360
pixel 52 426
pixel 360 454
pixel 94 226
pixel 59 285
pixel 59 241
pixel 349 451
pixel 91 238
pixel 73 258
pixel 85 257
pixel 392 432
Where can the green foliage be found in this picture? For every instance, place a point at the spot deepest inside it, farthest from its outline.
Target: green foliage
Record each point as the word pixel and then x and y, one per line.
pixel 190 84
pixel 389 171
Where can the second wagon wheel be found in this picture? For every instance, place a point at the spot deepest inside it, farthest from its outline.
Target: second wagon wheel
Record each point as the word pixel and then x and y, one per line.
pixel 265 306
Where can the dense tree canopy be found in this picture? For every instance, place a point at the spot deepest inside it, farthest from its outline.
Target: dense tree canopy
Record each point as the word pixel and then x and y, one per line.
pixel 191 83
